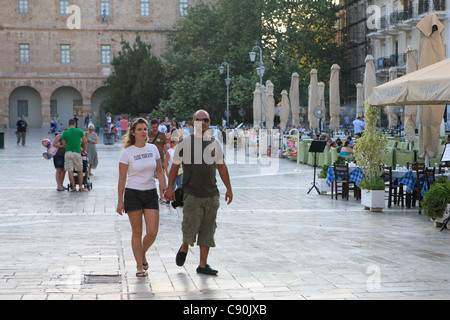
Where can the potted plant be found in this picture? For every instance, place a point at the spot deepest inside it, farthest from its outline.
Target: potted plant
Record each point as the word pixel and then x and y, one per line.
pixel 322 180
pixel 370 152
pixel 436 199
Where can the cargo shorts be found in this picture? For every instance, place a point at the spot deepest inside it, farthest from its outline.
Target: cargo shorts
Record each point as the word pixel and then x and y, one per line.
pixel 73 161
pixel 199 220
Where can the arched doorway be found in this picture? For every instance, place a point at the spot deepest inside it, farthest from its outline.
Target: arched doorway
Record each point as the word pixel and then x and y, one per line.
pixel 98 101
pixel 67 102
pixel 25 101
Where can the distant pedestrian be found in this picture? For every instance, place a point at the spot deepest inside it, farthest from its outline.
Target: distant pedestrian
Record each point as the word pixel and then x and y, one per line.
pixel 137 196
pixel 22 130
pixel 92 139
pixel 71 141
pixel 200 192
pixel 159 139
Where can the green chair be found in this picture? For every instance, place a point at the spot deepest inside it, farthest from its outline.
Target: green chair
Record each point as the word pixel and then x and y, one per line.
pixel 438 159
pixel 333 155
pixel 392 144
pixel 326 156
pixel 391 157
pixel 403 157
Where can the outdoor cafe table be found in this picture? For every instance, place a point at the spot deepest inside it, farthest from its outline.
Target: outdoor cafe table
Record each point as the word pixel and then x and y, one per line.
pixel 355 174
pixel 405 177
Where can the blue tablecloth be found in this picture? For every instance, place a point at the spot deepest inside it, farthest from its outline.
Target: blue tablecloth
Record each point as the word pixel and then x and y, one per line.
pixel 355 175
pixel 408 180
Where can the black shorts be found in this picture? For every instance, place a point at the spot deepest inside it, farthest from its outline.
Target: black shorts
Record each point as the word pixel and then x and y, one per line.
pixel 58 162
pixel 137 200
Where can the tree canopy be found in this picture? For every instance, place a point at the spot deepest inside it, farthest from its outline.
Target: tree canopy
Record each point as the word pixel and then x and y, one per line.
pixel 295 36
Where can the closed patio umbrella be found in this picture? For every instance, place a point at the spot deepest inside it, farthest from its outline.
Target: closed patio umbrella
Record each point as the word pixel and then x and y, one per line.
pixel 410 110
pixel 321 103
pixel 359 100
pixel 431 50
pixel 256 106
pixel 294 99
pixel 335 101
pixel 284 112
pixel 270 105
pixel 370 79
pixel 392 116
pixel 313 99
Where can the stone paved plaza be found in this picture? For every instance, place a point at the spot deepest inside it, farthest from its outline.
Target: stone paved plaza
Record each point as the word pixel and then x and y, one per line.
pixel 274 241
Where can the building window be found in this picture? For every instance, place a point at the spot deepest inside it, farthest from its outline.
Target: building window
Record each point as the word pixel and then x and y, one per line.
pixel 145 8
pixel 183 8
pixel 106 54
pixel 65 53
pixel 63 7
pixel 104 7
pixel 22 108
pixel 23 6
pixel 24 53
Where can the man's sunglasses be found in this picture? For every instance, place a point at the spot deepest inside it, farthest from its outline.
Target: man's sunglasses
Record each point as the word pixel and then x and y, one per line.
pixel 202 119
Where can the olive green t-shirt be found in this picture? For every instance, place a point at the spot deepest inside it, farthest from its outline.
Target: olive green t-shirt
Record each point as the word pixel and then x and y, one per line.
pixel 202 155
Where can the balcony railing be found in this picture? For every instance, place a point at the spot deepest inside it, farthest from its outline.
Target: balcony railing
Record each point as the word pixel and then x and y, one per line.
pixel 409 13
pixel 394 60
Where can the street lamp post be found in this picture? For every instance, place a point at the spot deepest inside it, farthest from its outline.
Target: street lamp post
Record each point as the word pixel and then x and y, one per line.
pixel 260 71
pixel 227 82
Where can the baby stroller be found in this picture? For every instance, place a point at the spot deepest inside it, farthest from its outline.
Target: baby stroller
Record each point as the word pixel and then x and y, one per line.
pixel 87 184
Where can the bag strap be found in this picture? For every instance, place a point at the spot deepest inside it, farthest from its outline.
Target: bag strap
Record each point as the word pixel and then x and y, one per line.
pixel 155 138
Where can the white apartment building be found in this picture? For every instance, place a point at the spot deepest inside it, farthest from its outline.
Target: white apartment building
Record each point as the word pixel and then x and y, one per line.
pixel 395 29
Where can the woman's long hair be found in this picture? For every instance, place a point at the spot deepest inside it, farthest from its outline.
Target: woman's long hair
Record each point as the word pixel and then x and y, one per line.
pixel 128 138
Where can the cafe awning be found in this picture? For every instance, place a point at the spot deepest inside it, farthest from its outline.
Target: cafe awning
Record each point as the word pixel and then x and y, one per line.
pixel 427 86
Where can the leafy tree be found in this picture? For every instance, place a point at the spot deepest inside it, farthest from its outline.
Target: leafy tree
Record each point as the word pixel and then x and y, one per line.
pixel 300 36
pixel 135 85
pixel 209 35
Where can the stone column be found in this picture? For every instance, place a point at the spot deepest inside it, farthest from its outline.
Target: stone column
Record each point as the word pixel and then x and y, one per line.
pixel 46 116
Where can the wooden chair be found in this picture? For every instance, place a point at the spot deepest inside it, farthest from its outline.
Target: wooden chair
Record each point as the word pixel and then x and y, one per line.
pixel 388 186
pixel 430 176
pixel 341 181
pixel 342 184
pixel 419 168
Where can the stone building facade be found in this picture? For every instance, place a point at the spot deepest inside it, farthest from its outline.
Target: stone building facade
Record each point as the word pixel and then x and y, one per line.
pixel 55 54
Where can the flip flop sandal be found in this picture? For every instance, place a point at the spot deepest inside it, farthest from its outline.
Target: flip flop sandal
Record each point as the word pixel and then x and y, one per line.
pixel 145 265
pixel 141 274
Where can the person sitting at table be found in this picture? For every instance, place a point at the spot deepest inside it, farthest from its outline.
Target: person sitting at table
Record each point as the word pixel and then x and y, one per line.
pixel 346 150
pixel 349 140
pixel 339 146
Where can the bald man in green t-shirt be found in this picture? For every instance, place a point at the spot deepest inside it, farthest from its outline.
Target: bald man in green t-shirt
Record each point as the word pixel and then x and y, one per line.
pixel 71 141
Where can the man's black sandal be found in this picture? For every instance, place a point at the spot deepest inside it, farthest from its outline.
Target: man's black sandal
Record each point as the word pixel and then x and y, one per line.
pixel 207 270
pixel 180 258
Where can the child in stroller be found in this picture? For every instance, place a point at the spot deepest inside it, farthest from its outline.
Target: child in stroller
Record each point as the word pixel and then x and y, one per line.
pixel 87 184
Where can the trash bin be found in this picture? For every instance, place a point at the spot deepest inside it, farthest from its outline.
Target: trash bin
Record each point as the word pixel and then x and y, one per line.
pixel 108 138
pixel 2 140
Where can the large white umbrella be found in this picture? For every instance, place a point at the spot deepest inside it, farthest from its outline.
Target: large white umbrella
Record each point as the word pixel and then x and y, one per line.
pixel 392 116
pixel 410 110
pixel 431 50
pixel 284 112
pixel 335 100
pixel 270 105
pixel 359 100
pixel 256 106
pixel 313 99
pixel 370 79
pixel 295 100
pixel 321 103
